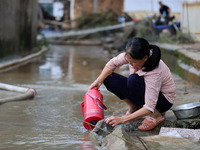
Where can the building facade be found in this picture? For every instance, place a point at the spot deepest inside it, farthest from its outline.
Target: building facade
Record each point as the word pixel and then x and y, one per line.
pixel 18 26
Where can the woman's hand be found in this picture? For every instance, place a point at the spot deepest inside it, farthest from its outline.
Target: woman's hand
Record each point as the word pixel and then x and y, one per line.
pixel 95 84
pixel 98 82
pixel 113 121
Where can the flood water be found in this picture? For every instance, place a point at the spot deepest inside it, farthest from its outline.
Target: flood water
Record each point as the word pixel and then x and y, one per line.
pixel 52 119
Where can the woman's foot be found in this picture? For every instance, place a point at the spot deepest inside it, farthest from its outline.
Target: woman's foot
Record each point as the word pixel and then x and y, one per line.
pixel 150 123
pixel 132 107
pixel 130 111
pixel 152 120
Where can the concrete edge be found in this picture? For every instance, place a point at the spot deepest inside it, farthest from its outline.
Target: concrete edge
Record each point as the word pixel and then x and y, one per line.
pixel 86 43
pixel 121 138
pixel 194 55
pixel 188 61
pixel 15 63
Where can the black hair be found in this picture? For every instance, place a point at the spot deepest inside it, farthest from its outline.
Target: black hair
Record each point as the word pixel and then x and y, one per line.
pixel 138 48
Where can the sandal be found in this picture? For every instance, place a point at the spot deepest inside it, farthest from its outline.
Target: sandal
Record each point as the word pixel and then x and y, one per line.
pixel 151 122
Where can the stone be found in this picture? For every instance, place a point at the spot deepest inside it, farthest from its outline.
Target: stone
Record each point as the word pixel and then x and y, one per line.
pixel 191 134
pixel 101 127
pixel 120 140
pixel 158 142
pixel 128 136
pixel 111 142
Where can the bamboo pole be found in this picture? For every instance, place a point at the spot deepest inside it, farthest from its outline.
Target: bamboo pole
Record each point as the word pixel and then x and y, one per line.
pixel 86 31
pixel 17 98
pixel 27 93
pixel 13 88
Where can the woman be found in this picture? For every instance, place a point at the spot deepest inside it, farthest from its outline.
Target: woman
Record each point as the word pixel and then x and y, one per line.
pixel 149 90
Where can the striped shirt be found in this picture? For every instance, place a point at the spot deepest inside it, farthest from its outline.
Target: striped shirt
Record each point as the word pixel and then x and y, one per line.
pixel 159 79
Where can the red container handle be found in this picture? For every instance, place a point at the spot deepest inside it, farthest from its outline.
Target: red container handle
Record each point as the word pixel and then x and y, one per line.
pixel 98 101
pixel 82 108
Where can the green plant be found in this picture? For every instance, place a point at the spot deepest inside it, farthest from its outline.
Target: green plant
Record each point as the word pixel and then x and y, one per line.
pixel 96 20
pixel 184 38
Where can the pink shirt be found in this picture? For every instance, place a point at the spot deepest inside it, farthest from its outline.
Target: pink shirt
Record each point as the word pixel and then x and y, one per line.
pixel 159 79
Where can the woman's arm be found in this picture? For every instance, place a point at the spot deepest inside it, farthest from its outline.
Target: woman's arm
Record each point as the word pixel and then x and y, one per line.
pixel 108 69
pixel 97 83
pixel 136 115
pixel 113 120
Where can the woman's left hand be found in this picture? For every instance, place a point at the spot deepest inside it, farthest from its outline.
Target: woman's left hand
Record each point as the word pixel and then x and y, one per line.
pixel 113 121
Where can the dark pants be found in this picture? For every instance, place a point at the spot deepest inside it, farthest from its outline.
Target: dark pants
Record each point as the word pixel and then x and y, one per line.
pixel 133 88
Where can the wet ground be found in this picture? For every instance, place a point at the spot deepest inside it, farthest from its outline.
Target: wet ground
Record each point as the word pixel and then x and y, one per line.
pixel 53 120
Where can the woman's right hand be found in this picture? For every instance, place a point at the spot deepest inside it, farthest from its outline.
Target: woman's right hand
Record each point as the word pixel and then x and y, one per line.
pixel 95 84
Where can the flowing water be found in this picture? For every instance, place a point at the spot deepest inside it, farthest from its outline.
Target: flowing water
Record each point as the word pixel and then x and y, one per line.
pixel 52 119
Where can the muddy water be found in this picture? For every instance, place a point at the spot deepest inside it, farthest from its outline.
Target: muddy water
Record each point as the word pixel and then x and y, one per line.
pixel 52 119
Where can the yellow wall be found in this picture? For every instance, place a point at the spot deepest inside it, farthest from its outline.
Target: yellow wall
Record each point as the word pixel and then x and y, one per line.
pixel 190 21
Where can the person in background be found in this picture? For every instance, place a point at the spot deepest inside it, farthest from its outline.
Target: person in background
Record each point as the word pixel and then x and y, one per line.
pixel 149 90
pixel 165 11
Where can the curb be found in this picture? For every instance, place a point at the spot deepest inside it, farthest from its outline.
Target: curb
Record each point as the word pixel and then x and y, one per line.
pixel 18 62
pixel 183 61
